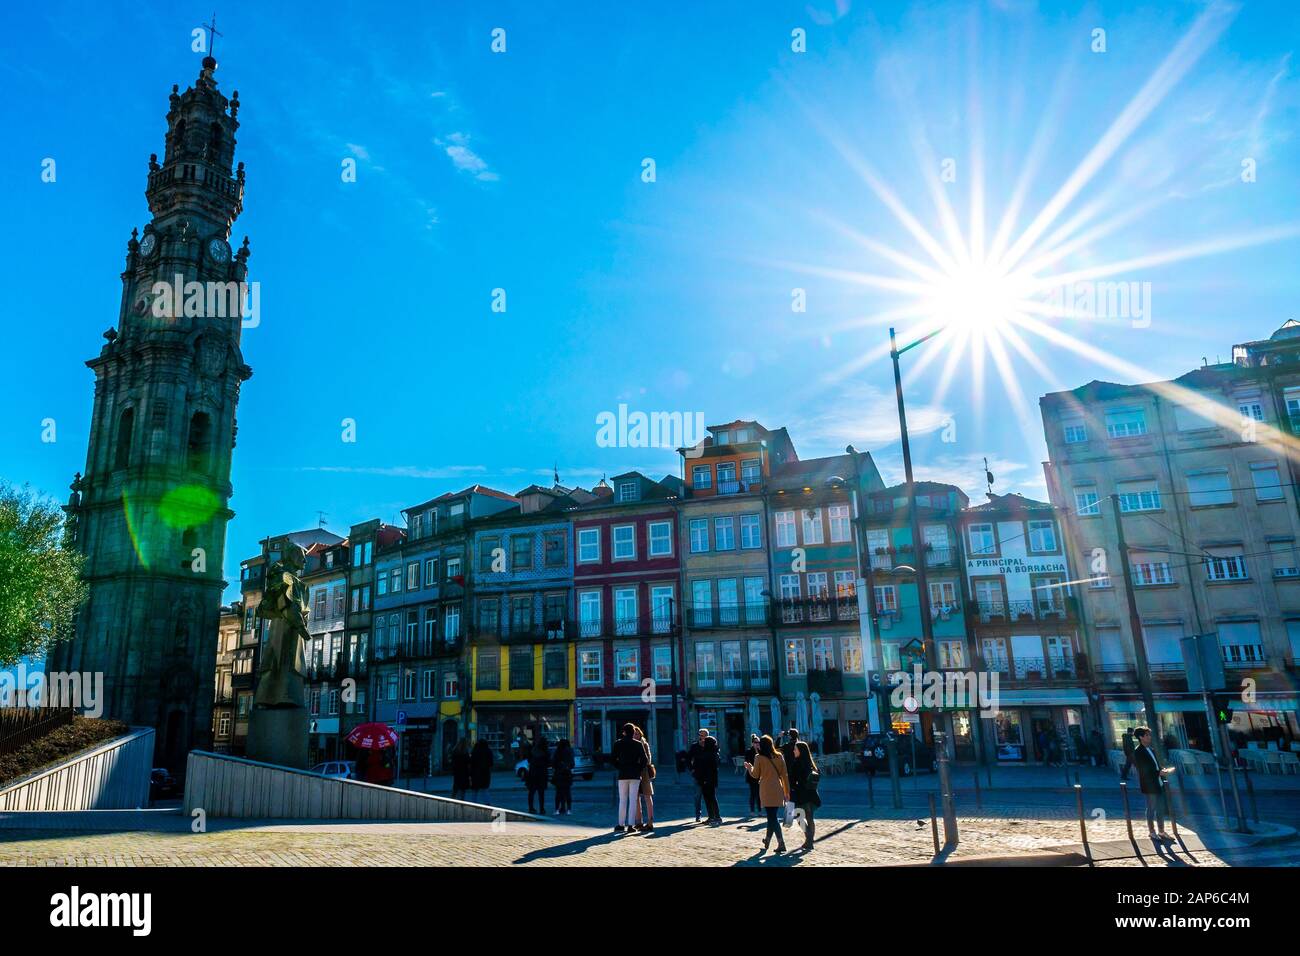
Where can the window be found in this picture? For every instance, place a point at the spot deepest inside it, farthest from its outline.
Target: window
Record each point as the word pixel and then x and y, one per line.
pixel 706 666
pixel 450 684
pixel 886 599
pixel 754 587
pixel 661 608
pixel 555 668
pixel 661 656
pixel 624 542
pixel 413 576
pixel 366 551
pixel 728 601
pixel 627 491
pixel 1240 643
pixel 429 688
pixel 521 668
pixel 1075 431
pixel 588 545
pixel 1196 416
pixel 1225 564
pixel 733 665
pixel 796 659
pixel 724 534
pixel 453 568
pixel 315 702
pixel 395 583
pixel 521 615
pixel 701 477
pixel 1042 536
pixel 451 624
pixel 589 613
pixel 722 437
pixel 751 471
pixel 699 535
pixel 1086 503
pixel 661 538
pixel 489 616
pixel 412 631
pixel 488 676
pixel 125 426
pixel 1149 571
pixel 785 534
pixel 943 596
pixel 521 552
pixel 487 548
pixel 846 584
pixel 555 610
pixel 556 549
pixel 790 587
pixel 823 652
pixel 408 684
pixel 760 665
pixel 952 655
pixel 1209 488
pixel 726 474
pixel 625 619
pixel 627 665
pixel 1138 496
pixel 981 539
pixel 702 603
pixel 430 572
pixel 430 630
pixel 1268 486
pixel 382 585
pixel 851 653
pixel 1251 411
pixel 817 585
pixel 812 526
pixel 1282 554
pixel 839 517
pixel 1126 422
pixel 589 666
pixel 751 531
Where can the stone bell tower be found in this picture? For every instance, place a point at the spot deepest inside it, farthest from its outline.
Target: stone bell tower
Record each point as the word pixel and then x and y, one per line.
pixel 150 512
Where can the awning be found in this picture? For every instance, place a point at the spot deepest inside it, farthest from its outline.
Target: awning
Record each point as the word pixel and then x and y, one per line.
pixel 1183 705
pixel 1042 697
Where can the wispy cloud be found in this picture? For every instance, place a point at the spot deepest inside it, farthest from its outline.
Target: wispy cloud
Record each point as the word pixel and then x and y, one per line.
pixel 400 471
pixel 966 471
pixel 456 146
pixel 863 415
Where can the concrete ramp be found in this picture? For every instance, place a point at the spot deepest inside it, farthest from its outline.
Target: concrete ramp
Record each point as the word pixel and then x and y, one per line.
pixel 225 786
pixel 110 776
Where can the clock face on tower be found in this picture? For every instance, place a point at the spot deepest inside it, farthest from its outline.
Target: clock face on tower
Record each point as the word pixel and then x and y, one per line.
pixel 218 250
pixel 148 244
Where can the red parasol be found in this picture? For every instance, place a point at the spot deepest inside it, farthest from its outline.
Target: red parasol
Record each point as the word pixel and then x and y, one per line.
pixel 374 736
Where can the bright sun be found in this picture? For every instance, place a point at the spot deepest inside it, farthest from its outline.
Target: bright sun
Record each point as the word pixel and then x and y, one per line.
pixel 977 298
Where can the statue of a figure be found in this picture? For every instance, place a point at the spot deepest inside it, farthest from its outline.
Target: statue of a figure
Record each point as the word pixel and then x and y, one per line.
pixel 284 606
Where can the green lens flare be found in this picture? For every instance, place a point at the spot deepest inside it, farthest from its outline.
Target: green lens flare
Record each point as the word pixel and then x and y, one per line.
pixel 188 506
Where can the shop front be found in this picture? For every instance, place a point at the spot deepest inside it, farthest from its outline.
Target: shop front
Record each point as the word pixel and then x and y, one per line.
pixel 511 729
pixel 323 739
pixel 601 720
pixel 1037 726
pixel 1267 723
pixel 1182 722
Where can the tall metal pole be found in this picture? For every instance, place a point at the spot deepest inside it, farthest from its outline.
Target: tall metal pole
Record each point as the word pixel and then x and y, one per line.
pixel 918 544
pixel 1135 627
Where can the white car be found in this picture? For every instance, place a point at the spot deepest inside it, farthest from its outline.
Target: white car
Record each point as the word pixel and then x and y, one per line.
pixel 336 769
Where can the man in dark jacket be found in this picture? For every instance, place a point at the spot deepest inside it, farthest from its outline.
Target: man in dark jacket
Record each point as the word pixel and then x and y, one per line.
pixel 628 755
pixel 799 767
pixel 1151 778
pixel 697 749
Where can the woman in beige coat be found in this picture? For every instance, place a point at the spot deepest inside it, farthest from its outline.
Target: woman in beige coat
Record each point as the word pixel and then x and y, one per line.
pixel 768 769
pixel 647 789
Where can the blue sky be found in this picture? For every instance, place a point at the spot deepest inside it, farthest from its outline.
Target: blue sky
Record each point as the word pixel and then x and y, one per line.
pixel 775 170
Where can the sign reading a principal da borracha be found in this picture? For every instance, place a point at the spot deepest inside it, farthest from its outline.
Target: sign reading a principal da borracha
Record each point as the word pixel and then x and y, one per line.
pixel 1015 565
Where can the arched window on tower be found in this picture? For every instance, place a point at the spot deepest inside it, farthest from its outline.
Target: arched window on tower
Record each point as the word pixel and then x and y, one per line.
pixel 196 452
pixel 178 139
pixel 125 426
pixel 214 142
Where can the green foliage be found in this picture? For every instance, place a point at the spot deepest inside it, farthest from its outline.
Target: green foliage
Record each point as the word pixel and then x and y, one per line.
pixel 40 579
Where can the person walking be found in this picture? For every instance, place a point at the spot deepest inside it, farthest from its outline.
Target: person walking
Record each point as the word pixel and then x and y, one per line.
pixel 696 750
pixel 804 776
pixel 750 754
pixel 460 769
pixel 539 768
pixel 1151 778
pixel 629 760
pixel 562 773
pixel 706 777
pixel 1129 744
pixel 480 768
pixel 647 790
pixel 768 769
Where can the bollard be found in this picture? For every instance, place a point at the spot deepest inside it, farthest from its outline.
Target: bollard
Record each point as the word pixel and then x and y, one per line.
pixel 1250 792
pixel 1067 775
pixel 950 837
pixel 871 790
pixel 1128 820
pixel 934 825
pixel 979 799
pixel 1083 822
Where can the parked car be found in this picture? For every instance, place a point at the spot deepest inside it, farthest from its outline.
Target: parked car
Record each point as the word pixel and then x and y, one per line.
pixel 583 766
pixel 336 769
pixel 875 754
pixel 161 783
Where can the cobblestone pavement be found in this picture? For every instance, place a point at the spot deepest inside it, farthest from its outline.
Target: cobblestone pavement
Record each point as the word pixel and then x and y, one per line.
pixel 839 842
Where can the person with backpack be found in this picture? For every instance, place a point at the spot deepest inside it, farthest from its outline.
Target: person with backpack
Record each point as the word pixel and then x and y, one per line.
pixel 539 769
pixel 804 777
pixel 562 773
pixel 768 769
pixel 629 760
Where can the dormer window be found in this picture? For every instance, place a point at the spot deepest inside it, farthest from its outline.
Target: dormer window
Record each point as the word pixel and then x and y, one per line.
pixel 743 435
pixel 722 437
pixel 628 491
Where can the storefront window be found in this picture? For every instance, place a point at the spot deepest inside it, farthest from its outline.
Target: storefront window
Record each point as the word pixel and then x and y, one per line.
pixel 1009 735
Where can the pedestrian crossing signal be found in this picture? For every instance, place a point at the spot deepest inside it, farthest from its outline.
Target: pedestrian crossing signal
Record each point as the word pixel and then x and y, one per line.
pixel 1223 708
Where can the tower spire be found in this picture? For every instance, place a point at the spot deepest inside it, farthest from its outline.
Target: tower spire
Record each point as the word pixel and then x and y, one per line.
pixel 213 33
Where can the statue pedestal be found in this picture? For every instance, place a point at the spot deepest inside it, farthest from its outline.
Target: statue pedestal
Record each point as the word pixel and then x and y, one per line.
pixel 278 735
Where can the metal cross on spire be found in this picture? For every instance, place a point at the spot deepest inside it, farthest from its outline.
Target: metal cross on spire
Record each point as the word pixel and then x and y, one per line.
pixel 213 33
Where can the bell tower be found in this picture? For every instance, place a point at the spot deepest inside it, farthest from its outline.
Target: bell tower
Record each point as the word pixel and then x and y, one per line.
pixel 150 512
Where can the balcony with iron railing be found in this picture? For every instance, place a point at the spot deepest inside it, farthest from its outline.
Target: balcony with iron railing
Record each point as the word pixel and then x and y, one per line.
pixel 744 486
pixel 655 626
pixel 1054 668
pixel 817 610
pixel 1006 612
pixel 411 650
pixel 703 617
pixel 736 680
pixel 520 632
pixel 904 558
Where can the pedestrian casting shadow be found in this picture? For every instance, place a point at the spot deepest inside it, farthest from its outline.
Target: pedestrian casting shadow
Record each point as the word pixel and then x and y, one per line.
pixel 770 858
pixel 1167 853
pixel 573 848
